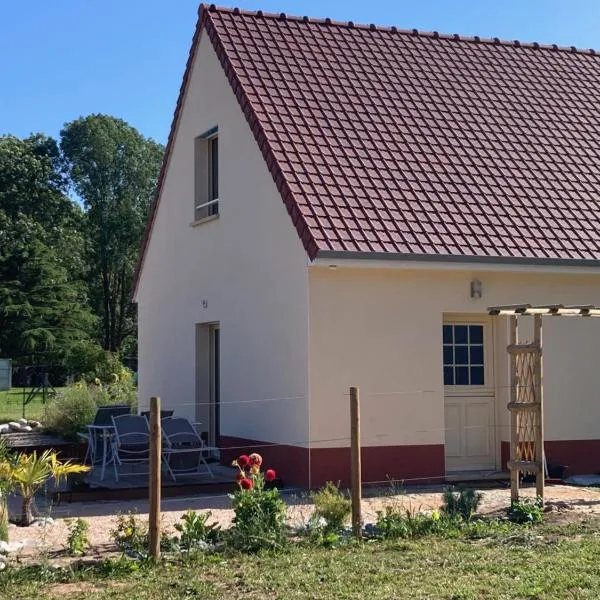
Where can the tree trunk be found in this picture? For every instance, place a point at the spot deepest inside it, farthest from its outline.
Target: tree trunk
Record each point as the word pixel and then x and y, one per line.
pixel 27 510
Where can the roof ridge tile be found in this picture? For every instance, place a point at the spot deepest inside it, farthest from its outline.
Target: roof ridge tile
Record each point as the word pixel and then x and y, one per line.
pixel 475 39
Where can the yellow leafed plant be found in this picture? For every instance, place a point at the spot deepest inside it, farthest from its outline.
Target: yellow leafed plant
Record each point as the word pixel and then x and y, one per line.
pixel 29 472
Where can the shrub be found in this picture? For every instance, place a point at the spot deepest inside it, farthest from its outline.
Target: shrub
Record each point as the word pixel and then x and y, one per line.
pixel 6 456
pixel 131 535
pixel 75 407
pixel 392 524
pixel 461 503
pixel 527 511
pixel 195 532
pixel 332 507
pixel 122 390
pixel 77 540
pixel 87 360
pixel 259 521
pixel 70 411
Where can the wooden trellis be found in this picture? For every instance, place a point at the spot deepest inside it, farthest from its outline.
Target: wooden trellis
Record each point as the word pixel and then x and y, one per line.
pixel 526 404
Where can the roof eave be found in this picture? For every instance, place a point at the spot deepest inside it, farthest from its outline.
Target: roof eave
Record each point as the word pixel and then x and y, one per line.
pixel 430 261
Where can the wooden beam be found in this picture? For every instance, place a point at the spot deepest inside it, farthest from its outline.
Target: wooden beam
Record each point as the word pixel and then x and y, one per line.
pixel 533 406
pixel 355 469
pixel 514 473
pixel 525 465
pixel 155 482
pixel 522 348
pixel 539 420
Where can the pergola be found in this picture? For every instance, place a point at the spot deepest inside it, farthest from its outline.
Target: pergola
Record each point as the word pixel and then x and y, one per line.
pixel 526 390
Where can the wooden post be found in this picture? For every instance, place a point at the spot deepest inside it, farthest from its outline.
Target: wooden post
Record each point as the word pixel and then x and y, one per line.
pixel 539 422
pixel 355 461
pixel 155 482
pixel 514 439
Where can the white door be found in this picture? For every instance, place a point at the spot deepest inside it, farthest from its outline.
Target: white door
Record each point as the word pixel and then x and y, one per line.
pixel 469 401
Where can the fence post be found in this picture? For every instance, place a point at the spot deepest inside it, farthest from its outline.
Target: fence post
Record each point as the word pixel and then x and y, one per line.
pixel 155 473
pixel 539 414
pixel 355 461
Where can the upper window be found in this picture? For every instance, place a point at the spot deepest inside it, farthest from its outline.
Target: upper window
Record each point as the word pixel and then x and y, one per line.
pixel 206 167
pixel 463 354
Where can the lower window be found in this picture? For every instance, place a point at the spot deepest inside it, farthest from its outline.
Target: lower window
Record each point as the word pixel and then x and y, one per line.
pixel 463 354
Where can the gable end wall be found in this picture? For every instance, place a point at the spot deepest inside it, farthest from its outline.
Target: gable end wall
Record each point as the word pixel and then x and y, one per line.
pixel 246 270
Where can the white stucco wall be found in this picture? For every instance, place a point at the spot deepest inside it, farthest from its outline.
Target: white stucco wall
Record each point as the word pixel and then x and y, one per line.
pixel 380 329
pixel 248 265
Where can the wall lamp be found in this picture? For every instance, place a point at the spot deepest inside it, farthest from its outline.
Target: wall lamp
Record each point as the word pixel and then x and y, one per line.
pixel 476 289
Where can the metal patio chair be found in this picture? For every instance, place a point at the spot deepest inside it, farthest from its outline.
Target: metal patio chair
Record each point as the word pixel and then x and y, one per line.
pixel 164 414
pixel 184 450
pixel 99 433
pixel 131 441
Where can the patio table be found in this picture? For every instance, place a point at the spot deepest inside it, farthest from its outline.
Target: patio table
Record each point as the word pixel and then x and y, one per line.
pixel 105 433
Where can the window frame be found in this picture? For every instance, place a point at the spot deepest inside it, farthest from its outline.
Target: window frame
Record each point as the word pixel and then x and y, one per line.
pixel 204 187
pixel 488 385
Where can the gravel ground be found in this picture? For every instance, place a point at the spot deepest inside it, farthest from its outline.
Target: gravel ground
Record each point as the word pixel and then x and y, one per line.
pixel 51 538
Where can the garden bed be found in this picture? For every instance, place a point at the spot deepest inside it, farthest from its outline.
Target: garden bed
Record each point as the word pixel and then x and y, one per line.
pixel 566 503
pixel 547 562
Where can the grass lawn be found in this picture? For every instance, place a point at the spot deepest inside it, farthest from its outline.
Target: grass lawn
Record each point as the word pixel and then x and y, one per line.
pixel 11 405
pixel 541 563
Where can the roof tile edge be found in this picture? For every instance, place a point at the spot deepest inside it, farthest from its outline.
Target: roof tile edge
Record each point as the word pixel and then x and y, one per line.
pixel 282 16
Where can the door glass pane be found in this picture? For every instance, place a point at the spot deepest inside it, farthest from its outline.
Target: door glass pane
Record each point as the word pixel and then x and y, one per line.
pixel 461 334
pixel 476 334
pixel 448 375
pixel 476 353
pixel 476 375
pixel 462 375
pixel 461 355
pixel 448 355
pixel 448 334
pixel 464 355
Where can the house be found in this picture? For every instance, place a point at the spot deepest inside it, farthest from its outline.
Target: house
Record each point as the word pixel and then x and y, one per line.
pixel 338 206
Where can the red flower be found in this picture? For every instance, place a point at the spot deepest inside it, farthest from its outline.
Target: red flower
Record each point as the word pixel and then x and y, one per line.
pixel 243 461
pixel 270 475
pixel 255 459
pixel 239 477
pixel 246 484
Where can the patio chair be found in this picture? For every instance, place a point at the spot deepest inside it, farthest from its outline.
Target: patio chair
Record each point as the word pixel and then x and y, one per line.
pixel 131 441
pixel 164 414
pixel 101 429
pixel 183 448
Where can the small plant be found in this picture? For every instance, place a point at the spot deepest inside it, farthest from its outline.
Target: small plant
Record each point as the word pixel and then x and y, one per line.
pixel 6 455
pixel 461 502
pixel 131 535
pixel 527 511
pixel 259 521
pixel 29 472
pixel 332 508
pixel 195 531
pixel 70 411
pixel 77 540
pixel 76 406
pixel 392 523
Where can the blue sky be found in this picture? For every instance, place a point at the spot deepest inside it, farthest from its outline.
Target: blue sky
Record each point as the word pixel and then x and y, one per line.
pixel 61 59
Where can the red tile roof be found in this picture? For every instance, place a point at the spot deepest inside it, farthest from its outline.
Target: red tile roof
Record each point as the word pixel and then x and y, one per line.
pixel 385 142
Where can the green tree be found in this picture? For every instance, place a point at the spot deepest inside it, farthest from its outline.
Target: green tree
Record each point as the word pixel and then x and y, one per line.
pixel 42 293
pixel 33 184
pixel 114 170
pixel 42 311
